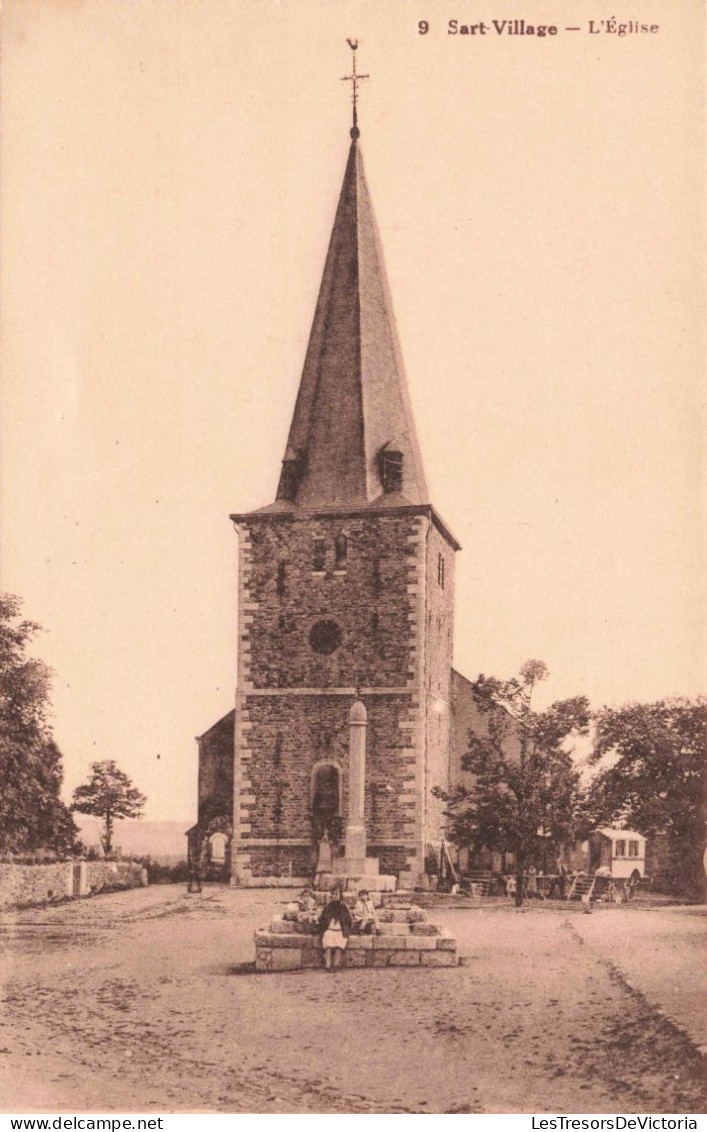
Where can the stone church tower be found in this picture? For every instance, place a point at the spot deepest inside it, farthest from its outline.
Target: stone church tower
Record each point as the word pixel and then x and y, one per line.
pixel 346 590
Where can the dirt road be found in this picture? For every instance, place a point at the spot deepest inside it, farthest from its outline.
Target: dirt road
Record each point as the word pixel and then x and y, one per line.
pixel 135 1002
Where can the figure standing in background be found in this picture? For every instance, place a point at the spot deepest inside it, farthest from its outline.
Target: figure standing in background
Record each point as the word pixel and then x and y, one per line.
pixel 324 855
pixel 531 883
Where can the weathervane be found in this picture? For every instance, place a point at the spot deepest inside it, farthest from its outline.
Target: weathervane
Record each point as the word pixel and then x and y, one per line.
pixel 354 79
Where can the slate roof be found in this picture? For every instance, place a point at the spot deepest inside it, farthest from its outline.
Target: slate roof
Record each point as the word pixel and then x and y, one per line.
pixel 353 397
pixel 225 723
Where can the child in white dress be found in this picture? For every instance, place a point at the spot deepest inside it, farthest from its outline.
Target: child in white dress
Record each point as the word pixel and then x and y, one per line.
pixel 334 925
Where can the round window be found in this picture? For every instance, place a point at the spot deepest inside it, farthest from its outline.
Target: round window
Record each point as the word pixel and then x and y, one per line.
pixel 325 637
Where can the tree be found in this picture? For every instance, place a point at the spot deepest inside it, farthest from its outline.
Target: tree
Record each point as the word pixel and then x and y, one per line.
pixel 32 814
pixel 526 783
pixel 651 776
pixel 108 794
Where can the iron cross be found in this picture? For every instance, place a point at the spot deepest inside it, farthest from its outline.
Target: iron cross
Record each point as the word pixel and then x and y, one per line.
pixel 354 78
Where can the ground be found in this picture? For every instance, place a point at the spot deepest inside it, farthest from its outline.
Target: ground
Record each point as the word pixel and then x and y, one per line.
pixel 143 1001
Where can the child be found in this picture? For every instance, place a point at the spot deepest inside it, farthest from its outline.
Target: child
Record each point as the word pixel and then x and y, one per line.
pixel 365 913
pixel 306 900
pixel 307 907
pixel 334 925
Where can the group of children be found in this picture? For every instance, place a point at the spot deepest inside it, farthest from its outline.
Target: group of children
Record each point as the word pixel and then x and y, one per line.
pixel 336 922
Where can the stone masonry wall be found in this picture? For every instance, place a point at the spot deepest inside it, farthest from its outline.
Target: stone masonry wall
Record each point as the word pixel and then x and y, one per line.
pixel 290 735
pixel 282 861
pixel 216 771
pixel 393 860
pixel 292 703
pixel 36 884
pixel 368 599
pixel 466 717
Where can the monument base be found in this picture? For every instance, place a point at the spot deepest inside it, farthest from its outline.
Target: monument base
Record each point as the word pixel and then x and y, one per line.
pixel 403 937
pixel 355 866
pixel 354 882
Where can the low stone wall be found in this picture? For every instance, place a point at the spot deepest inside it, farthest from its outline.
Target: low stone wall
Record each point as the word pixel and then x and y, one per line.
pixel 22 885
pixel 105 876
pixel 34 884
pixel 292 952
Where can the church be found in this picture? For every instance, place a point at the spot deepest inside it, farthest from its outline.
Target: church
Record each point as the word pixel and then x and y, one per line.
pixel 345 593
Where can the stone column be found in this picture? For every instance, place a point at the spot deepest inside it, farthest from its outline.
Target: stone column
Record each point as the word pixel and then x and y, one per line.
pixel 356 826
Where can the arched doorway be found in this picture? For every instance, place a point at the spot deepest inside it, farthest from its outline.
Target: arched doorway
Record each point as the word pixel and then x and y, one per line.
pixel 326 800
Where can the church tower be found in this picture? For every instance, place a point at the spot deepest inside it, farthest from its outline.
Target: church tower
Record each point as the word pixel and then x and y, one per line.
pixel 346 591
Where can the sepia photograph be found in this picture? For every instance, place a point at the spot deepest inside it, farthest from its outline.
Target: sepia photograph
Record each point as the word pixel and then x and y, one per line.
pixel 353 693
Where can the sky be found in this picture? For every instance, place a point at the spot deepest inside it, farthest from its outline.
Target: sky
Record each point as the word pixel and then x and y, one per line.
pixel 169 178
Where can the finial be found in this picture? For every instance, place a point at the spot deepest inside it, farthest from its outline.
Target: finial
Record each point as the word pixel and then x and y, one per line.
pixel 354 78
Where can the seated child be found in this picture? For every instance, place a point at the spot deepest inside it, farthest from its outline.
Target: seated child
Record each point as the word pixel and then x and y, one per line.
pixel 307 906
pixel 365 914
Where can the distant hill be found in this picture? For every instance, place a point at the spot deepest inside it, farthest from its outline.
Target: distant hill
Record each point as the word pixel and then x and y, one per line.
pixel 164 841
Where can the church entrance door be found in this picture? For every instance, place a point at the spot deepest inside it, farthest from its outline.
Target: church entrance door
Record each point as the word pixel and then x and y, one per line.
pixel 326 801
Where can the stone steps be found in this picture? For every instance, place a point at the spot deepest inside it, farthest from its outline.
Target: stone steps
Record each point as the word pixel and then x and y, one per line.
pixel 404 938
pixel 275 951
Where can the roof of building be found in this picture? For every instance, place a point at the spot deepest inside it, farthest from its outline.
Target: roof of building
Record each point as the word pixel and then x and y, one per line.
pixel 226 721
pixel 618 834
pixel 353 403
pixel 353 399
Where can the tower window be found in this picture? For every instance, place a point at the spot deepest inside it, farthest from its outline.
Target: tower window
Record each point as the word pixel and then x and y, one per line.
pixel 281 584
pixel 440 570
pixel 277 807
pixel 391 470
pixel 374 623
pixel 377 583
pixel 341 548
pixel 277 753
pixel 325 637
pixel 319 555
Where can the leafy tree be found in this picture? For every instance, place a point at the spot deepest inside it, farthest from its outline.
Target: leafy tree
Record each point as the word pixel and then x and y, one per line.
pixel 651 776
pixel 526 782
pixel 32 814
pixel 108 794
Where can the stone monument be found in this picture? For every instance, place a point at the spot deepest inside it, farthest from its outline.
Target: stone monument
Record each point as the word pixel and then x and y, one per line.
pixel 403 937
pixel 354 869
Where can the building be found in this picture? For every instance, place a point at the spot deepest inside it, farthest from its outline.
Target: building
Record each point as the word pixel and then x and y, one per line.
pixel 619 852
pixel 346 589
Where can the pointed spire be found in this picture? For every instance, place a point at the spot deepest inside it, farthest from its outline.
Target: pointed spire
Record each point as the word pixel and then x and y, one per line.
pixel 352 442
